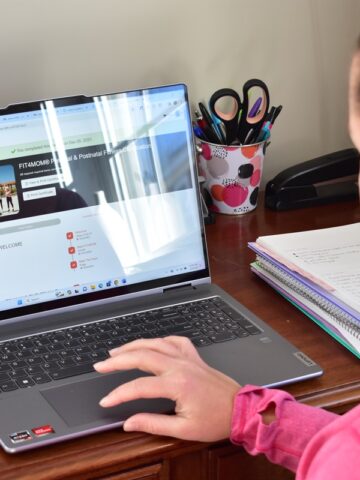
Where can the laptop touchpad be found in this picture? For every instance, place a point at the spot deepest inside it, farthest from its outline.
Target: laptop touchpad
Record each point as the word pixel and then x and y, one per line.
pixel 78 403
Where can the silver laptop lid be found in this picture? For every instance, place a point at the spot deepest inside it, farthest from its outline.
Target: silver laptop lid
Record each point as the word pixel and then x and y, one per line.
pixel 99 199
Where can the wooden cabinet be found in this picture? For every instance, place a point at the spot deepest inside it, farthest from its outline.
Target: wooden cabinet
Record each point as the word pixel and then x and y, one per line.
pixel 229 462
pixel 151 472
pixel 220 462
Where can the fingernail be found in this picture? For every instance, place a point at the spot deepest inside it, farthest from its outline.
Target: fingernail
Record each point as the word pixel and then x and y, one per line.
pixel 98 364
pixel 128 426
pixel 104 402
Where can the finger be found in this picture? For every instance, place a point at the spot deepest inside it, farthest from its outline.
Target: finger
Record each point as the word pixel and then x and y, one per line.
pixel 185 347
pixel 158 344
pixel 172 345
pixel 142 387
pixel 183 344
pixel 156 424
pixel 145 360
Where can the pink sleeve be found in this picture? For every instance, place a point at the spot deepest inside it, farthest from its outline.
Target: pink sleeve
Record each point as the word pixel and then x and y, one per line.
pixel 285 439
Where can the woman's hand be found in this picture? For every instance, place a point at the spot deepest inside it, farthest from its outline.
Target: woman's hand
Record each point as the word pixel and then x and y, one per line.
pixel 204 396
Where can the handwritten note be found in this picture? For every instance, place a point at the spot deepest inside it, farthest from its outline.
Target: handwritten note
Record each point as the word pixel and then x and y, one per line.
pixel 329 255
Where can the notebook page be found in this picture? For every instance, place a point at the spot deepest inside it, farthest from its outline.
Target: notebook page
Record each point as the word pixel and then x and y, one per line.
pixel 309 306
pixel 328 256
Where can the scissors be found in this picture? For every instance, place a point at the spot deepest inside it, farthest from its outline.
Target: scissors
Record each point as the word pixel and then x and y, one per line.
pixel 240 126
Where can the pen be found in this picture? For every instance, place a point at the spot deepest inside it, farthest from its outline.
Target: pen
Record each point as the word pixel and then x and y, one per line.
pixel 199 120
pixel 219 128
pixel 265 133
pixel 210 123
pixel 207 132
pixel 266 126
pixel 276 114
pixel 199 133
pixel 254 110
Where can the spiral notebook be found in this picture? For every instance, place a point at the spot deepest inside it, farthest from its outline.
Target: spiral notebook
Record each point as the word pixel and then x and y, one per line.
pixel 329 316
pixel 319 272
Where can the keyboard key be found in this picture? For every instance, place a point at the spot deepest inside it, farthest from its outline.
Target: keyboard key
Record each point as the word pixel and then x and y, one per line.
pixel 39 351
pixel 179 329
pixel 58 337
pixel 41 378
pixel 84 358
pixel 55 347
pixel 161 332
pixel 7 357
pixel 190 334
pixel 4 367
pixel 113 343
pixel 253 330
pixel 25 344
pixel 152 326
pixel 67 362
pixel 104 327
pixel 201 341
pixel 33 370
pixel 98 356
pixel 167 314
pixel 4 377
pixel 86 340
pixel 132 329
pixel 243 322
pixel 42 341
pixel 17 373
pixel 72 371
pixel 164 323
pixel 81 350
pixel 49 357
pixel 25 382
pixel 18 364
pixel 35 360
pixel 66 353
pixel 48 366
pixel 102 336
pixel 8 386
pixel 72 334
pixel 241 333
pixel 221 337
pixel 179 320
pixel 9 348
pixel 26 353
pixel 148 334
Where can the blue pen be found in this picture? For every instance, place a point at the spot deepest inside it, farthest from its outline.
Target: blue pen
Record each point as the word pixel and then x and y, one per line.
pixel 264 132
pixel 218 126
pixel 199 133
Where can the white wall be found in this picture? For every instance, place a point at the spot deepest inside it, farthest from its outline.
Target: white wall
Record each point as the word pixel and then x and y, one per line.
pixel 301 48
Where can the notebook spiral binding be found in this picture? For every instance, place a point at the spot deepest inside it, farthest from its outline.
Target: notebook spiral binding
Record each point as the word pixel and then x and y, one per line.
pixel 342 318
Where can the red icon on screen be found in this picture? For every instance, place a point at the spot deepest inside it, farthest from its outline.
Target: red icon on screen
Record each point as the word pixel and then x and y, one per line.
pixel 70 235
pixel 71 250
pixel 73 264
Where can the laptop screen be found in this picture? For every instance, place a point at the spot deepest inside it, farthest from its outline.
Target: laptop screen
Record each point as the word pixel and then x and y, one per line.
pixel 98 198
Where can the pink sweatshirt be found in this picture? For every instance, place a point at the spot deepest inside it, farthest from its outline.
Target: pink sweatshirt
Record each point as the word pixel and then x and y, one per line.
pixel 312 442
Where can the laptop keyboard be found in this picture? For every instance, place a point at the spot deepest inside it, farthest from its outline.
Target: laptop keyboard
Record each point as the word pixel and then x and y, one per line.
pixel 72 351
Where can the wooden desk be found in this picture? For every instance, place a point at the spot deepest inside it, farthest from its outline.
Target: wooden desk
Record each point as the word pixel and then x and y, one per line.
pixel 118 456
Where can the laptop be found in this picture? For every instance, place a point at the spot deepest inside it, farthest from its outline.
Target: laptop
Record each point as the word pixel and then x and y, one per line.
pixel 102 242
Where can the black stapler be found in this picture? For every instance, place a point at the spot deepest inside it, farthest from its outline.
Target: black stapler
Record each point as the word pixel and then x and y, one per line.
pixel 315 182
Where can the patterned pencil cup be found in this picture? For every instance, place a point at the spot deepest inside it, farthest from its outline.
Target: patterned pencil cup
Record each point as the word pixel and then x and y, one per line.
pixel 232 175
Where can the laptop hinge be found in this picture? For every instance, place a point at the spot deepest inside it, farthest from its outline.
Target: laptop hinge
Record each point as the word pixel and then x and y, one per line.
pixel 187 286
